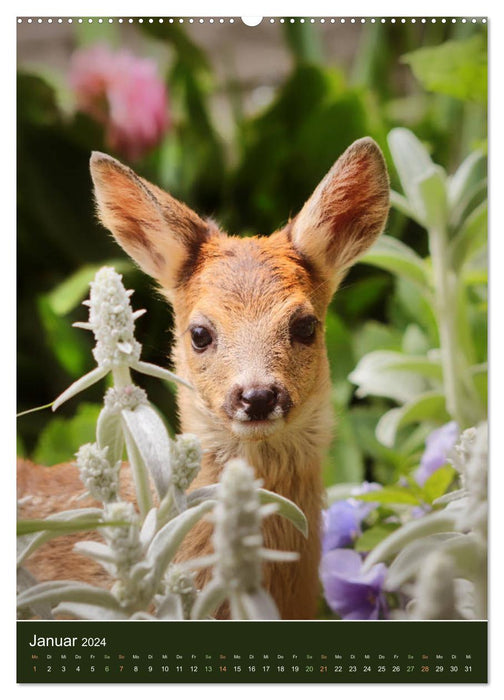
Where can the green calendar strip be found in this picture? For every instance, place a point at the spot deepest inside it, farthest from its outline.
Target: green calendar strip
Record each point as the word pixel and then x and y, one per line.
pixel 248 652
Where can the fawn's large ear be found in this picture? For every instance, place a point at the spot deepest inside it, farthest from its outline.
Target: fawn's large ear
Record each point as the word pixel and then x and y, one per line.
pixel 346 213
pixel 160 233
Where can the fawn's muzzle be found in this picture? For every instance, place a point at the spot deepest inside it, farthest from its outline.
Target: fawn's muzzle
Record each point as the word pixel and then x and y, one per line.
pixel 257 403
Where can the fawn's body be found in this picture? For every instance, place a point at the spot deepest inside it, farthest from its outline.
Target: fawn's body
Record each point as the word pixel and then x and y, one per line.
pixel 249 317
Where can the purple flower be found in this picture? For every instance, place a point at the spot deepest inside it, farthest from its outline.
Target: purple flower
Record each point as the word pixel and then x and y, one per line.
pixel 437 449
pixel 342 520
pixel 350 593
pixel 341 525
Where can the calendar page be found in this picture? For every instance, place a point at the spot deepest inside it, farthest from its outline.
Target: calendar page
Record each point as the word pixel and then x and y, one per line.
pixel 252 349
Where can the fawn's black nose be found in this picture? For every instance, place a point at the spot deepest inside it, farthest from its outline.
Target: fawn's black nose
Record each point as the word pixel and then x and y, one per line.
pixel 258 401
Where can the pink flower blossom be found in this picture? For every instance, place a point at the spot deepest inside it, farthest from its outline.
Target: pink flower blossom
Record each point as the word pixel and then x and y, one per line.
pixel 125 94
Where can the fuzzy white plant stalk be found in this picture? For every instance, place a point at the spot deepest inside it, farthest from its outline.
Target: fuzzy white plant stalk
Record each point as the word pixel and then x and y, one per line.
pixel 112 322
pixel 435 589
pixel 239 550
pixel 124 542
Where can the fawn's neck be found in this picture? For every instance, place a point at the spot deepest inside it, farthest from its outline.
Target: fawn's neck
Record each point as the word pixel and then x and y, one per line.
pixel 288 462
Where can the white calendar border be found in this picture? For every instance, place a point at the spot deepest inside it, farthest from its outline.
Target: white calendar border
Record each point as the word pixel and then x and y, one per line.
pixel 273 8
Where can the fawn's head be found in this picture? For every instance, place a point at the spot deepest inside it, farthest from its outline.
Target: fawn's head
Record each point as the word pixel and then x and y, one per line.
pixel 249 311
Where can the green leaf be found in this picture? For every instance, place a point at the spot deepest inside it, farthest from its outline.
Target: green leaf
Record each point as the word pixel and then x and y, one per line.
pixel 415 307
pixel 340 354
pixel 36 101
pixel 373 335
pixel 430 406
pixel 455 68
pixel 392 495
pixel 394 256
pixel 67 295
pixel 415 342
pixel 62 437
pixel 438 483
pixel 479 375
pixel 373 536
pixel 468 175
pixel 472 236
pixel 433 194
pixel 304 42
pixel 57 527
pixel 65 342
pixel 399 202
pixel 364 420
pixel 344 460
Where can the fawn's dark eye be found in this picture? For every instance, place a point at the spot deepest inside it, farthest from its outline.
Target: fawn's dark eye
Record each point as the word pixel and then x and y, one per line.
pixel 303 329
pixel 201 337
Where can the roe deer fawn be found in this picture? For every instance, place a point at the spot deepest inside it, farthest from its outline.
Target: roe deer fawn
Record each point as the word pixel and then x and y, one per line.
pixel 249 317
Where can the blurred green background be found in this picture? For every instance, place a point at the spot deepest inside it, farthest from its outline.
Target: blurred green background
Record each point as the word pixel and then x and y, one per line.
pixel 257 116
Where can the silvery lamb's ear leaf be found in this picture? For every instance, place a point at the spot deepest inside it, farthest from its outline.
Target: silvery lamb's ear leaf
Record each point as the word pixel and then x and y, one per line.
pixel 109 434
pixel 438 522
pixel 395 256
pixel 179 498
pixel 430 405
pixel 413 163
pixel 141 615
pixel 401 204
pixel 83 383
pixel 26 580
pixel 151 438
pixel 70 592
pixel 405 566
pixel 237 609
pixel 164 546
pixel 432 189
pixel 285 507
pixel 469 174
pixel 159 372
pixel 471 237
pixel 84 611
pixel 140 472
pixel 204 493
pixel 376 375
pixel 148 528
pixel 170 608
pixel 259 605
pixel 468 554
pixel 209 600
pixel 66 522
pixel 99 552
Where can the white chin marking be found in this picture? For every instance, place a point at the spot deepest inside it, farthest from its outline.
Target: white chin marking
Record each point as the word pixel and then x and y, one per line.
pixel 255 430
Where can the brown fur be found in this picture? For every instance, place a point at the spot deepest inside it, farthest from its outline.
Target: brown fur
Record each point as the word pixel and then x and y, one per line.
pixel 248 291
